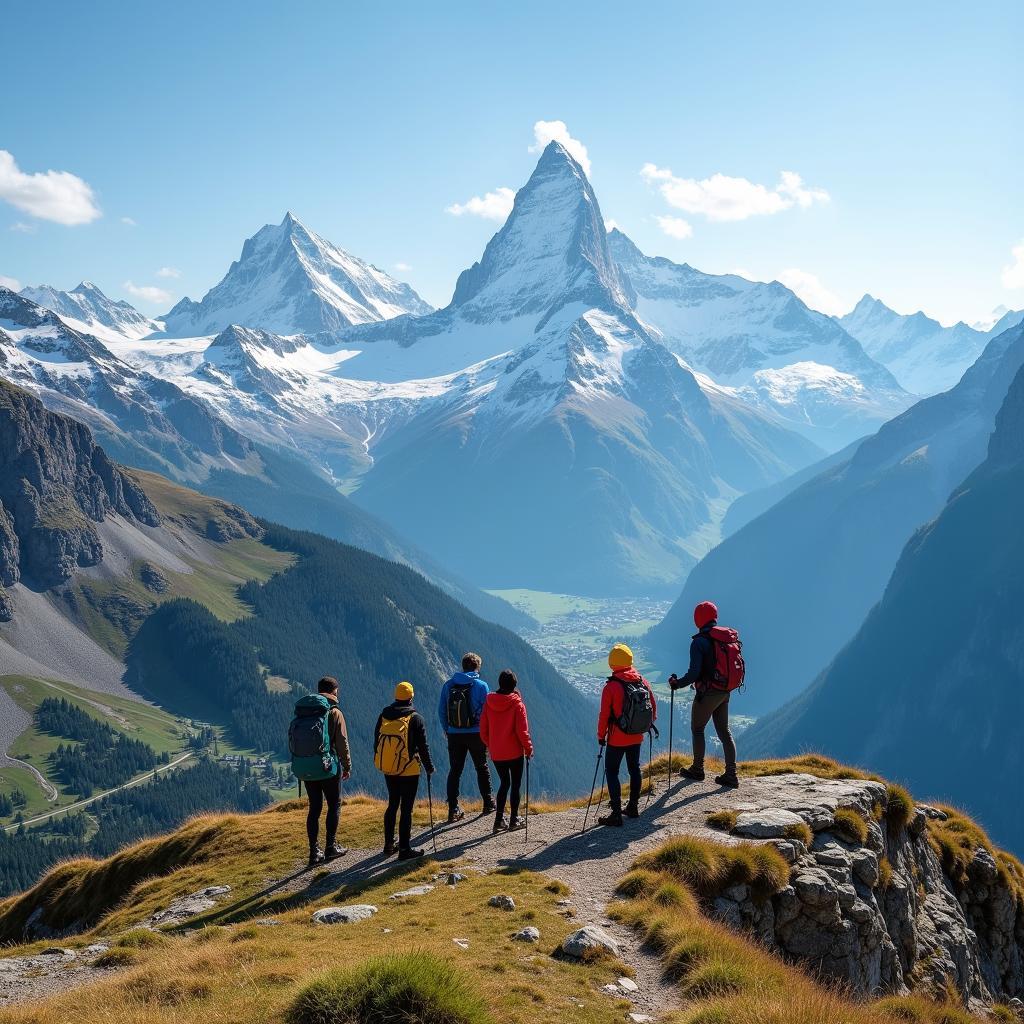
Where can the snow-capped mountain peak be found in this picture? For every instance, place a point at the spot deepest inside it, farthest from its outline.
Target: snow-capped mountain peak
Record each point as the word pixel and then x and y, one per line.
pixel 93 311
pixel 551 251
pixel 288 280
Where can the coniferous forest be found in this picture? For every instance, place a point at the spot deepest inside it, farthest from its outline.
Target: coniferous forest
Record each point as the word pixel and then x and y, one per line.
pixel 124 817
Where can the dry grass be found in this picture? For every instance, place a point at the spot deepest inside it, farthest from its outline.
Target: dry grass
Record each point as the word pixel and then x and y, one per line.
pixel 801 831
pixel 851 825
pixel 899 806
pixel 707 868
pixel 724 820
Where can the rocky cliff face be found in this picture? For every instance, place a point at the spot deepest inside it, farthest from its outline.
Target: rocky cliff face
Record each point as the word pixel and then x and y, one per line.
pixel 880 915
pixel 56 484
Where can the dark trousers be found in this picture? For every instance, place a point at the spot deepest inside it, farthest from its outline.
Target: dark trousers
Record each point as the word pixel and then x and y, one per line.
pixel 712 706
pixel 459 745
pixel 510 781
pixel 612 762
pixel 401 795
pixel 328 790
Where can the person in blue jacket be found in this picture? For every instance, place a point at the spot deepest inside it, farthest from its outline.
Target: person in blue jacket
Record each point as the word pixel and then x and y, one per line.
pixel 459 710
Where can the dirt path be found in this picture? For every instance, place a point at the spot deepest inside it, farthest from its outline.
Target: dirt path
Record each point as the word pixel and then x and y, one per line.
pixel 591 863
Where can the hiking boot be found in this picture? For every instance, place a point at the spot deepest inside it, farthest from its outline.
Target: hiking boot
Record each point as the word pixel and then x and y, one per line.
pixel 517 823
pixel 697 774
pixel 728 779
pixel 456 814
pixel 614 819
pixel 315 857
pixel 334 851
pixel 501 825
pixel 488 807
pixel 410 854
pixel 389 849
pixel 632 811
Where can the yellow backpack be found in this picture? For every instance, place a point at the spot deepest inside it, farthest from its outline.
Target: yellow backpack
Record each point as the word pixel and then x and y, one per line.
pixel 392 755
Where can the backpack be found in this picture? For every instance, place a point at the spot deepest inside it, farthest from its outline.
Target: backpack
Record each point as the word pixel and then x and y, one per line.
pixel 309 740
pixel 391 755
pixel 637 707
pixel 729 669
pixel 460 706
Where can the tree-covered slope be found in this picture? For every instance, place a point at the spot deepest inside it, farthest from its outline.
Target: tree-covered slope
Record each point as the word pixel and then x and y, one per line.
pixel 341 611
pixel 931 688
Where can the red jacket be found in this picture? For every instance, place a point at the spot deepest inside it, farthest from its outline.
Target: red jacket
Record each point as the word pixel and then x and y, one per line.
pixel 504 728
pixel 611 707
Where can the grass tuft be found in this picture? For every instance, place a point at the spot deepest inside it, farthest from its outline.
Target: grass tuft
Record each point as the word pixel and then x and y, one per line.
pixel 899 806
pixel 851 825
pixel 724 820
pixel 884 873
pixel 415 988
pixel 801 831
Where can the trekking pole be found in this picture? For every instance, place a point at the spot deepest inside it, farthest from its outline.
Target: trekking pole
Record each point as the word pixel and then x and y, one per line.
pixel 527 815
pixel 650 766
pixel 597 768
pixel 430 810
pixel 671 723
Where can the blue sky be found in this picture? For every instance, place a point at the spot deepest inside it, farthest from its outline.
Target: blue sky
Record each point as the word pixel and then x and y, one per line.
pixel 188 126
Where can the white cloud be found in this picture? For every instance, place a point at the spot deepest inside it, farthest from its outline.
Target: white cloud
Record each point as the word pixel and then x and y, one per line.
pixel 49 195
pixel 611 225
pixel 675 227
pixel 812 291
pixel 172 272
pixel 23 228
pixel 10 282
pixel 496 205
pixel 403 267
pixel 147 293
pixel 1013 273
pixel 723 198
pixel 130 222
pixel 557 131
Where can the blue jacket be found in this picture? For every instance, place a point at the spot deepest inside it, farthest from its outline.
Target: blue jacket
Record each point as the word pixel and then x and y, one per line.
pixel 477 696
pixel 702 659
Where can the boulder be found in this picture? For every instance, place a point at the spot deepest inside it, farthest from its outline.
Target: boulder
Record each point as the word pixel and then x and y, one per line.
pixel 529 934
pixel 767 823
pixel 344 915
pixel 502 902
pixel 587 939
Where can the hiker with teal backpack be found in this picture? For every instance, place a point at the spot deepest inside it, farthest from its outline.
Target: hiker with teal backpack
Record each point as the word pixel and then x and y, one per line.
pixel 399 750
pixel 318 742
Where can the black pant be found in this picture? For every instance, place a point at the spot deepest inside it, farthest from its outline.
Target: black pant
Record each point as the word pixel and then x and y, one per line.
pixel 401 793
pixel 318 792
pixel 510 778
pixel 612 761
pixel 459 745
pixel 712 705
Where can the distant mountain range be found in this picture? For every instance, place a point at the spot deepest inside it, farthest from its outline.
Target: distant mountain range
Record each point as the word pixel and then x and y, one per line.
pixel 929 688
pixel 923 355
pixel 799 578
pixel 606 404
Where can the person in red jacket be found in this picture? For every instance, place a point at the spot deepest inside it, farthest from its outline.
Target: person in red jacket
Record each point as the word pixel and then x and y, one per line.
pixel 627 702
pixel 505 732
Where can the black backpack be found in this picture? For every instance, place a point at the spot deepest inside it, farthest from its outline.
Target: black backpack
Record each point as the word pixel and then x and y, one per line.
pixel 637 707
pixel 460 706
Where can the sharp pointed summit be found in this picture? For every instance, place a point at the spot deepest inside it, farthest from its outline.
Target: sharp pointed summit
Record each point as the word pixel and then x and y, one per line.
pixel 91 310
pixel 289 280
pixel 552 250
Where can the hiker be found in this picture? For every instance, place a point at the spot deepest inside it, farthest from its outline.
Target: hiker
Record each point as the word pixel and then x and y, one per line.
pixel 716 669
pixel 318 741
pixel 399 750
pixel 459 710
pixel 628 712
pixel 505 732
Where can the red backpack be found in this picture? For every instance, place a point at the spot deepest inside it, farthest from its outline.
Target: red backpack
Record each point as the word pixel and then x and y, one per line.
pixel 729 668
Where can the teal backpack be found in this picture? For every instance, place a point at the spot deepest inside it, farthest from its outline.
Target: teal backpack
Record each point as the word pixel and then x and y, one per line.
pixel 309 740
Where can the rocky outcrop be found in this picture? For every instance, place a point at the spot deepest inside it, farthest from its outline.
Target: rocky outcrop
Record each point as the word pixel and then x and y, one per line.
pixel 879 915
pixel 56 484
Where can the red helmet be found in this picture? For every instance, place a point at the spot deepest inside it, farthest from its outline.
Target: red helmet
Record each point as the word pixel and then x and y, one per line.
pixel 704 613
